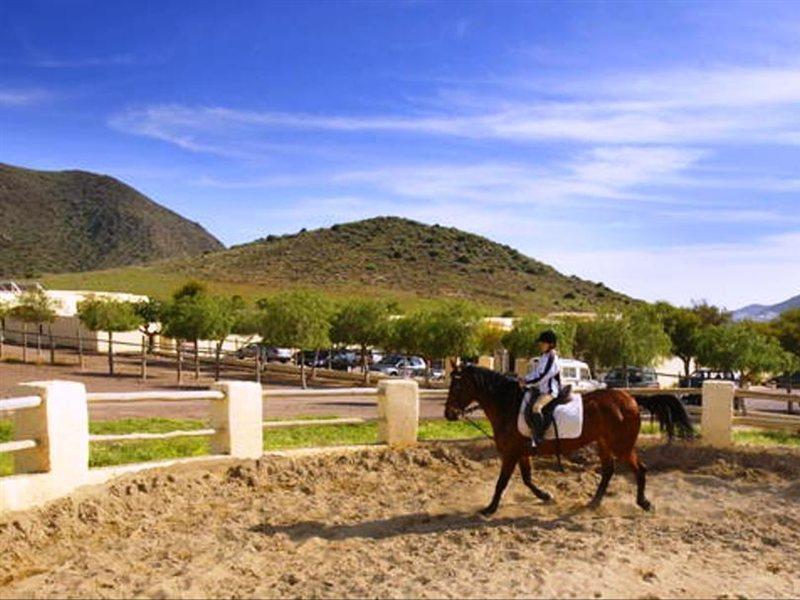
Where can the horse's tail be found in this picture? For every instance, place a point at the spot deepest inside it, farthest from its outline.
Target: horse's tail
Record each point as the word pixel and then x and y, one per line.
pixel 671 414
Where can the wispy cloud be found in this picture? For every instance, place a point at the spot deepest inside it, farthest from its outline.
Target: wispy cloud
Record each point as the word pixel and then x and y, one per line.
pixel 726 105
pixel 21 97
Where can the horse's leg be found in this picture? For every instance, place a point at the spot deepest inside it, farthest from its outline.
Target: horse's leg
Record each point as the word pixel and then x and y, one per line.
pixel 506 469
pixel 606 472
pixel 641 478
pixel 525 472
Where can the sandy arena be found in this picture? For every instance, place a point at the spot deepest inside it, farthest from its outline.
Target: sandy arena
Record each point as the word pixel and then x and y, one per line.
pixel 381 524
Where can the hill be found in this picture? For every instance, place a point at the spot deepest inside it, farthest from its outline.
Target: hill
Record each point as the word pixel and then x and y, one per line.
pixel 386 256
pixel 54 221
pixel 762 312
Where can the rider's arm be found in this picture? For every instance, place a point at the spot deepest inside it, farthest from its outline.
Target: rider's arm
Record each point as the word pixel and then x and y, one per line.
pixel 546 368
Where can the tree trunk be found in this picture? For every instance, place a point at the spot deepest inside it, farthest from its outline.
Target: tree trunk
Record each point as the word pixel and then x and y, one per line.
pixel 197 359
pixel 52 344
pixel 330 359
pixel 364 364
pixel 144 358
pixel 303 373
pixel 80 348
pixel 38 343
pixel 179 349
pixel 314 366
pixel 428 372
pixel 111 353
pixel 2 336
pixel 258 365
pixel 687 366
pixel 24 342
pixel 626 376
pixel 217 359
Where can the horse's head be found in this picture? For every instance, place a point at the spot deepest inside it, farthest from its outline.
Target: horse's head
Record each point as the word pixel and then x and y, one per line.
pixel 460 395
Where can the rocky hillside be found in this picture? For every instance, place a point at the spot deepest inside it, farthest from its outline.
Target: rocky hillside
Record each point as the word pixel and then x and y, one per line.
pixel 395 255
pixel 61 221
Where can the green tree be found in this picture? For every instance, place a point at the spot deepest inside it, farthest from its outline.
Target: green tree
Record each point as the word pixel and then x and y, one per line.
pixel 521 340
pixel 635 337
pixel 683 326
pixel 787 329
pixel 151 312
pixel 192 317
pixel 439 330
pixel 741 347
pixel 711 315
pixel 490 338
pixel 110 315
pixel 297 319
pixel 34 307
pixel 362 323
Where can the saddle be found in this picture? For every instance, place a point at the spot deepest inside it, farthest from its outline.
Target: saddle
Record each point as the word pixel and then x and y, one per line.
pixel 563 397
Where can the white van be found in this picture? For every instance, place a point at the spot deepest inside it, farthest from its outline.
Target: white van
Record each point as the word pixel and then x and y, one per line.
pixel 577 374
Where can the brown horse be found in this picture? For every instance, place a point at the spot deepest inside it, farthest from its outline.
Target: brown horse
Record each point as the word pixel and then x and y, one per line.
pixel 610 419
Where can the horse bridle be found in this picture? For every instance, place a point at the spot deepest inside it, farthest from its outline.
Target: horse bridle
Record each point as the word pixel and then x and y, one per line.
pixel 464 414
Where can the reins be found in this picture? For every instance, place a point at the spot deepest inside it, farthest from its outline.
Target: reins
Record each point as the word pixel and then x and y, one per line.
pixel 475 424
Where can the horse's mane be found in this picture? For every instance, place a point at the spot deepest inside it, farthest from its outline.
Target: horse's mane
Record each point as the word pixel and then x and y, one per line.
pixel 496 384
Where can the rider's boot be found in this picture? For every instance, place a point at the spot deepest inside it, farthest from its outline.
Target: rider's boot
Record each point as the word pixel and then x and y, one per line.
pixel 538 428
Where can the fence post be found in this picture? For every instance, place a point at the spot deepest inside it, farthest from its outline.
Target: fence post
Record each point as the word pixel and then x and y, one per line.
pixel 716 422
pixel 522 366
pixel 236 420
pixel 60 426
pixel 486 362
pixel 398 412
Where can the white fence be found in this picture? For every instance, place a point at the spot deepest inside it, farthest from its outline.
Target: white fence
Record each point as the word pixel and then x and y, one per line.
pixel 51 428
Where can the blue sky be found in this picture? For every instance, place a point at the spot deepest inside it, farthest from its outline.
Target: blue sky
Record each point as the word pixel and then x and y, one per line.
pixel 653 146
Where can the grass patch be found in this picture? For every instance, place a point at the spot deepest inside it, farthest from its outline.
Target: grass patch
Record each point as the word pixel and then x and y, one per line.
pixel 300 436
pixel 764 437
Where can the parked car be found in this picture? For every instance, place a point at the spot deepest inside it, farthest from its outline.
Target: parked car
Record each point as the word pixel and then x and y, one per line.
pixel 780 381
pixel 344 360
pixel 268 353
pixel 577 374
pixel 639 377
pixel 397 364
pixel 698 377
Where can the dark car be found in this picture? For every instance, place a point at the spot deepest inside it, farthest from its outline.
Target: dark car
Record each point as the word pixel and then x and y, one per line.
pixel 698 377
pixel 638 377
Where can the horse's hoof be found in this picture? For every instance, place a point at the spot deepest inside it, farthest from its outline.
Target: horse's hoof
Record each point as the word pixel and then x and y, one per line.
pixel 546 497
pixel 593 505
pixel 646 505
pixel 487 512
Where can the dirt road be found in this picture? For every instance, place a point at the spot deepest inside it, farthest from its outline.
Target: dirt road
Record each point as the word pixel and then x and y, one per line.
pixel 383 524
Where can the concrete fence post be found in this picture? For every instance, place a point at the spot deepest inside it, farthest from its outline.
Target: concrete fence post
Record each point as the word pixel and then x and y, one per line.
pixel 236 420
pixel 521 366
pixel 398 412
pixel 716 422
pixel 487 362
pixel 60 426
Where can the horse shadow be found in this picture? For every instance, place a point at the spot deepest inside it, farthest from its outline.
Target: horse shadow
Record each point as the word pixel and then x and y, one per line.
pixel 415 524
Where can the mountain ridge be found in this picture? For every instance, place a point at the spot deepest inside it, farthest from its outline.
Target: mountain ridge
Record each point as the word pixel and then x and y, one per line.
pixel 380 256
pixel 765 312
pixel 73 220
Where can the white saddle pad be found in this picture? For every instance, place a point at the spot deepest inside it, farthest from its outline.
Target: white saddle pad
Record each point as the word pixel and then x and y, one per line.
pixel 568 417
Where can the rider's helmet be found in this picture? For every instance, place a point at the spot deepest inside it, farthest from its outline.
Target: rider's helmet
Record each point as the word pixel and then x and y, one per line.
pixel 548 337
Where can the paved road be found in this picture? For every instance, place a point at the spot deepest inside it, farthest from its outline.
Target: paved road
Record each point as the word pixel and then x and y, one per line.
pixel 277 408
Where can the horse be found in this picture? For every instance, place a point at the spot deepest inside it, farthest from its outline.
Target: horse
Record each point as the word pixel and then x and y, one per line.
pixel 611 420
pixel 671 414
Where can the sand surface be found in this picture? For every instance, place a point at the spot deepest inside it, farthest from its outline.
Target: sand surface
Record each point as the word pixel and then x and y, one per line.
pixel 383 524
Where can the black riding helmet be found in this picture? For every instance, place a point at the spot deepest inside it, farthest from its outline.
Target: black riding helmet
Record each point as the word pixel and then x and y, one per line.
pixel 548 337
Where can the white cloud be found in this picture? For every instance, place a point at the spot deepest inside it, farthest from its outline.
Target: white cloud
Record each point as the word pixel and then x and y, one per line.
pixel 19 97
pixel 762 269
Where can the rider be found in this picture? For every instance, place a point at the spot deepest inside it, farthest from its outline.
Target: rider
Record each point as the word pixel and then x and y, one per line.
pixel 545 378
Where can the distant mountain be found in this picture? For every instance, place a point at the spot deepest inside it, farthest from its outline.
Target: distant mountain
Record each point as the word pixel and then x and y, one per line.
pixel 384 256
pixel 57 221
pixel 761 312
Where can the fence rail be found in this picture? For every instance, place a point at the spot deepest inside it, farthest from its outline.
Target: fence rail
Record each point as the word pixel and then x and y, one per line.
pixel 20 403
pixel 18 445
pixel 127 437
pixel 165 395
